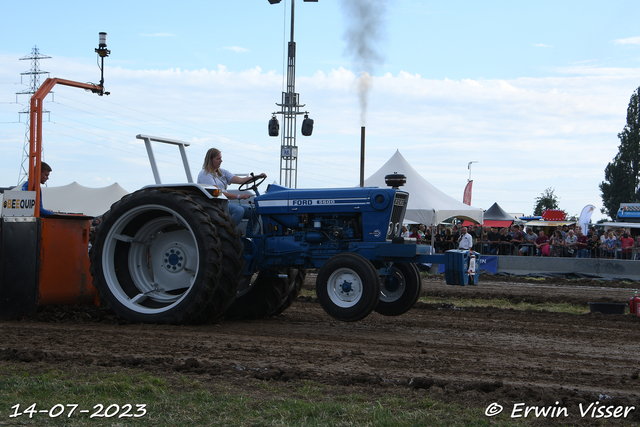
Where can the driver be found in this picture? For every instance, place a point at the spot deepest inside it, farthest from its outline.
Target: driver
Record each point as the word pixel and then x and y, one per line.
pixel 212 174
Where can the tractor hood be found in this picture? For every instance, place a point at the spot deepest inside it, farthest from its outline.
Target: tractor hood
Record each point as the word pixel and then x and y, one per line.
pixel 282 200
pixel 380 211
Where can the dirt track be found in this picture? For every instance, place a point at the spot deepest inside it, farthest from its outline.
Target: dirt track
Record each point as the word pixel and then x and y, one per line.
pixel 474 356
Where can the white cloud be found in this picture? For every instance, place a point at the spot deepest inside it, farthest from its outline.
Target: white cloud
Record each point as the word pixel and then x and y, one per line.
pixel 237 49
pixel 630 40
pixel 541 45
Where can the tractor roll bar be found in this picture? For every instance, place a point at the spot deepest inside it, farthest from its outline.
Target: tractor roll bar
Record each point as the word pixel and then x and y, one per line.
pixel 152 159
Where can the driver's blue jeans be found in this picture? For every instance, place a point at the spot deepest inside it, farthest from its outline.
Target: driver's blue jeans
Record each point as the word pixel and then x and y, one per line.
pixel 238 212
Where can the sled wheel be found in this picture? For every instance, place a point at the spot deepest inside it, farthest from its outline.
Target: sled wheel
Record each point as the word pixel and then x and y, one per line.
pixel 155 258
pixel 232 264
pixel 399 290
pixel 298 275
pixel 260 295
pixel 348 287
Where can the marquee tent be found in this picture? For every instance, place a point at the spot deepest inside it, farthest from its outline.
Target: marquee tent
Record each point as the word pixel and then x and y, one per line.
pixel 427 204
pixel 495 216
pixel 76 198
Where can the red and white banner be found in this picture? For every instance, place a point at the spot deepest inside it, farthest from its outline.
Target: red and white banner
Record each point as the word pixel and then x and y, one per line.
pixel 466 199
pixel 554 215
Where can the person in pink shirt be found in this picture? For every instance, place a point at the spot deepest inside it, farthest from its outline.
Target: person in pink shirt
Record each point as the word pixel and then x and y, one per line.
pixel 627 243
pixel 542 243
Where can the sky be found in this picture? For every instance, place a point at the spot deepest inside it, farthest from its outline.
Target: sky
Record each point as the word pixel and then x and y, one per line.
pixel 534 92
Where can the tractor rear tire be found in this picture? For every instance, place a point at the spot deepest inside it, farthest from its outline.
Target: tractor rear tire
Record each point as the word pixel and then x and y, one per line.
pixel 400 290
pixel 261 295
pixel 232 264
pixel 348 287
pixel 156 257
pixel 298 275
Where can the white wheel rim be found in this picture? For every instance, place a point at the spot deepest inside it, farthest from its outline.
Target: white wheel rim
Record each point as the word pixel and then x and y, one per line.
pixel 344 287
pixel 163 260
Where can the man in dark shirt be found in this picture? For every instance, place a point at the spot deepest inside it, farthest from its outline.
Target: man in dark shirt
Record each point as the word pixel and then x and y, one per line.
pixel 494 240
pixel 517 239
pixel 505 242
pixel 45 170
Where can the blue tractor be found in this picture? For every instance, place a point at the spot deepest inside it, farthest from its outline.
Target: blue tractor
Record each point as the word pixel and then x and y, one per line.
pixel 172 254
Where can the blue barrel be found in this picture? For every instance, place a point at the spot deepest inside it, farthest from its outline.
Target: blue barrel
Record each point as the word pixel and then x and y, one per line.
pixel 456 267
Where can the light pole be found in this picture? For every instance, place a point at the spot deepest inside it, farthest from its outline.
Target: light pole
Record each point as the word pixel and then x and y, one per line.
pixel 290 109
pixel 469 167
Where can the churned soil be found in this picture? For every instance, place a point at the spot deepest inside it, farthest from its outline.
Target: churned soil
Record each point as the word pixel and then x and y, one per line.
pixel 473 356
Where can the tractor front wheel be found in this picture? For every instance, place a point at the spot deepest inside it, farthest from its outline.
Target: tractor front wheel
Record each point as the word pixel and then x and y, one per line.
pixel 348 287
pixel 400 290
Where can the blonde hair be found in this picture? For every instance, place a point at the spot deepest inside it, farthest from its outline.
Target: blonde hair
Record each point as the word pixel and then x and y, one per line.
pixel 211 153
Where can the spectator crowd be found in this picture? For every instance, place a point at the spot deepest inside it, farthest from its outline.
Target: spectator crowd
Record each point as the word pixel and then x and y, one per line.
pixel 564 241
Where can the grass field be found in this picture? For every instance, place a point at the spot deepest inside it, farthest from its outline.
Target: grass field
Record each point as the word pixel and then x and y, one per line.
pixel 506 304
pixel 177 400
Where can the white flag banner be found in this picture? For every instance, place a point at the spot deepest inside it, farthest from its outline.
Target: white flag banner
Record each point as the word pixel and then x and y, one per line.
pixel 585 217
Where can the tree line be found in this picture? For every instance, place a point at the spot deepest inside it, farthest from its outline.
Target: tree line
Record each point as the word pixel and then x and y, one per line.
pixel 622 175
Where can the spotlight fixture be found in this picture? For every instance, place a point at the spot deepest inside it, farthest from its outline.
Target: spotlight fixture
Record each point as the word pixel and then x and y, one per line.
pixel 274 126
pixel 307 125
pixel 102 52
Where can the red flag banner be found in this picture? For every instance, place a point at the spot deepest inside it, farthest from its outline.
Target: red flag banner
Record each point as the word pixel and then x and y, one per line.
pixel 554 215
pixel 466 199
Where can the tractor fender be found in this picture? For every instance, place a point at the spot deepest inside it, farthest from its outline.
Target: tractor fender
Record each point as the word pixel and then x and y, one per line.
pixel 191 188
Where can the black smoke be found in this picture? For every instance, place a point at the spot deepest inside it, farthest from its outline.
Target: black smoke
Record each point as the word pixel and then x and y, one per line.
pixel 364 30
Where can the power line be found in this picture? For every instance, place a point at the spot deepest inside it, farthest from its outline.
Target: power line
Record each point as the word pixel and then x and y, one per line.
pixel 34 83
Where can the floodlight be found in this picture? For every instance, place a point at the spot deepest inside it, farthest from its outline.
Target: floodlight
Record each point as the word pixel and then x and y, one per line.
pixel 102 40
pixel 102 50
pixel 274 126
pixel 307 125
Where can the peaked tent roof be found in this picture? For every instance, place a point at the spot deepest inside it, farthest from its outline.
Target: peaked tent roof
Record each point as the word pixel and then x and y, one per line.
pixel 495 216
pixel 76 198
pixel 427 204
pixel 496 213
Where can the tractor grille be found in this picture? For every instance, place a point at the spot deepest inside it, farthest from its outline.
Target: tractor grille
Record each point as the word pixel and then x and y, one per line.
pixel 397 214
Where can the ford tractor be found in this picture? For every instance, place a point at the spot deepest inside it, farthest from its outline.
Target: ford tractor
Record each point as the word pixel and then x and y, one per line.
pixel 172 253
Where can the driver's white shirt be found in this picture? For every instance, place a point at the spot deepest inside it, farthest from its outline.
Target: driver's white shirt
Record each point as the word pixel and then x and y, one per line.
pixel 221 182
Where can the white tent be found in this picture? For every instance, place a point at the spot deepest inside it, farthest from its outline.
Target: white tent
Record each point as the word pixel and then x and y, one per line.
pixel 427 204
pixel 76 198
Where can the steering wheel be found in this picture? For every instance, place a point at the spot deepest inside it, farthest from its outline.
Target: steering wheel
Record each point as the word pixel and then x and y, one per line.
pixel 255 180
